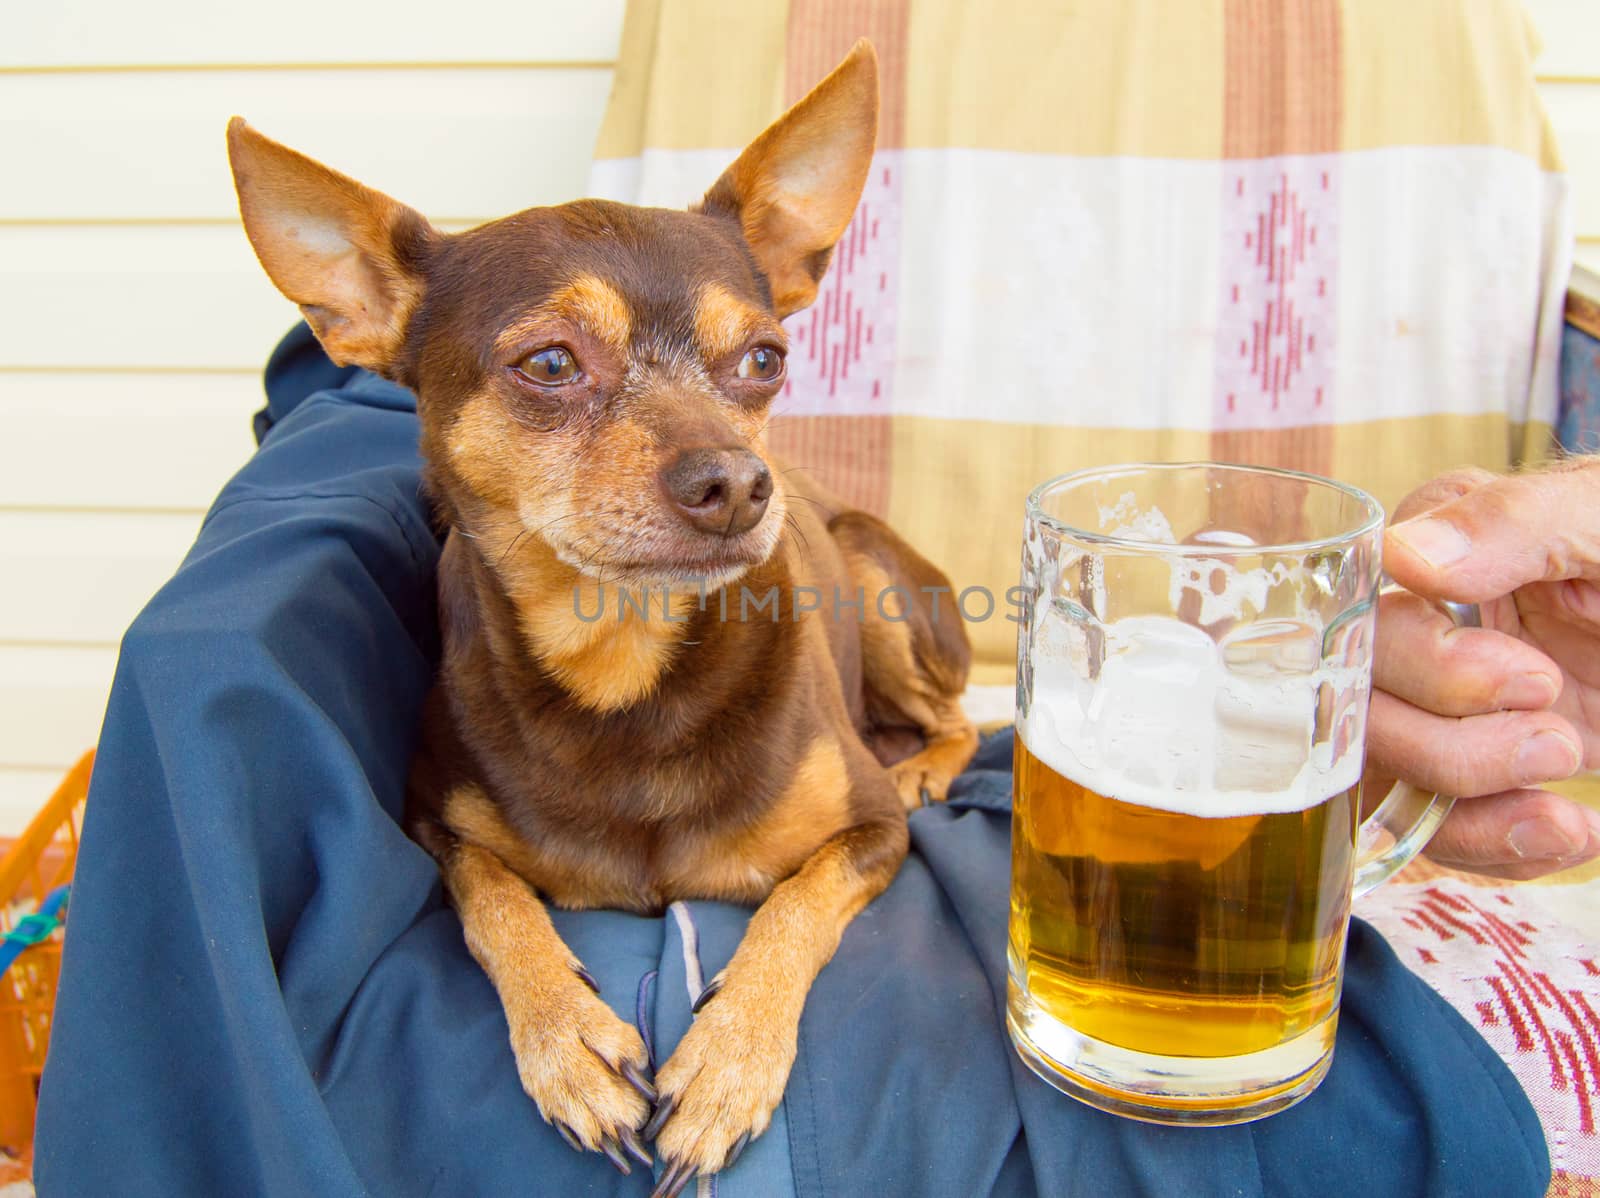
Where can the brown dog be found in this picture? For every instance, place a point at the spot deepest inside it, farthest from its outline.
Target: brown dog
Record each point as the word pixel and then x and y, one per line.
pixel 594 383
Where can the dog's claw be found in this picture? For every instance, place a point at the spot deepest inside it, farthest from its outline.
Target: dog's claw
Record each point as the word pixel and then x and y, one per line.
pixel 659 1118
pixel 567 1135
pixel 738 1147
pixel 706 995
pixel 636 1149
pixel 924 796
pixel 636 1078
pixel 586 977
pixel 613 1152
pixel 673 1180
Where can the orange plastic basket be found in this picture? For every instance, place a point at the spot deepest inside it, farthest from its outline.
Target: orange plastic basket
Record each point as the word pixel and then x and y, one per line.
pixel 41 859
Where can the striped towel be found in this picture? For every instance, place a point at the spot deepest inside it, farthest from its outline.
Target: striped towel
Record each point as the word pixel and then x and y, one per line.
pixel 1323 235
pixel 1331 235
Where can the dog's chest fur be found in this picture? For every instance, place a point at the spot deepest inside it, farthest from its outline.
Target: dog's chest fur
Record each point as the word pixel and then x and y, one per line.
pixel 734 767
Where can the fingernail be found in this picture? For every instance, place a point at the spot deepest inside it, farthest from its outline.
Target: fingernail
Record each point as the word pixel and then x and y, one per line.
pixel 1546 756
pixel 1528 692
pixel 1540 839
pixel 1437 542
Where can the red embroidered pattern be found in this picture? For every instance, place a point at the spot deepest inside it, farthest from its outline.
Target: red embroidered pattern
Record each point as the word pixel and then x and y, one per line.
pixel 1277 319
pixel 841 354
pixel 1530 986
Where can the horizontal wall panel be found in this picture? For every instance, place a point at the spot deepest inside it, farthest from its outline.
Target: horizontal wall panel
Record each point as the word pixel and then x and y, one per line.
pixel 71 33
pixel 184 296
pixel 52 702
pixel 1574 110
pixel 132 441
pixel 78 577
pixel 474 143
pixel 1570 31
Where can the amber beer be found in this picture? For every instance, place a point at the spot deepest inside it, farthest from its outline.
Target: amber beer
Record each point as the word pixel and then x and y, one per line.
pixel 1194 670
pixel 1177 934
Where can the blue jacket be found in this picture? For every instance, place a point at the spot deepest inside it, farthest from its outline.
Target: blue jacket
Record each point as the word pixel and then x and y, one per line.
pixel 264 993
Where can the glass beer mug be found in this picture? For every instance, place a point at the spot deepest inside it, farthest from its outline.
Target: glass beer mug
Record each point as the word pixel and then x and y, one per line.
pixel 1194 668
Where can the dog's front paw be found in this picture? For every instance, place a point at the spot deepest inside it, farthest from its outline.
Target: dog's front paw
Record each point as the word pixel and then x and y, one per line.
pixel 918 783
pixel 719 1088
pixel 586 1068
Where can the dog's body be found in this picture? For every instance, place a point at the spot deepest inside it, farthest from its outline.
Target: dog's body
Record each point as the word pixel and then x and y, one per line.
pixel 754 746
pixel 670 668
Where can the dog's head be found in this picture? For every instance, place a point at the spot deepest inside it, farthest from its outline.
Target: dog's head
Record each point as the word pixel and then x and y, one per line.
pixel 595 376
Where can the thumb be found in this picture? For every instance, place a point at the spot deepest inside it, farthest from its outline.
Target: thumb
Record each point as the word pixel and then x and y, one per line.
pixel 1502 535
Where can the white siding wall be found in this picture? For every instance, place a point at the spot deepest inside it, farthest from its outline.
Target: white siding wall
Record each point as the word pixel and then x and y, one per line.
pixel 134 321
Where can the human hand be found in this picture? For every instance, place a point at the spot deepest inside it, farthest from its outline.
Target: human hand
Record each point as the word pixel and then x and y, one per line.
pixel 1490 714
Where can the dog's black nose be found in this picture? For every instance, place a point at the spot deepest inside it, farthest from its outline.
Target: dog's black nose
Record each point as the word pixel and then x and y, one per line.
pixel 723 491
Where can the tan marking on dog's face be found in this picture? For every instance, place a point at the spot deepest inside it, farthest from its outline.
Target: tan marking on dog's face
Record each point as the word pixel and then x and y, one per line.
pixel 586 480
pixel 542 534
pixel 558 515
pixel 588 303
pixel 530 530
pixel 508 468
pixel 726 325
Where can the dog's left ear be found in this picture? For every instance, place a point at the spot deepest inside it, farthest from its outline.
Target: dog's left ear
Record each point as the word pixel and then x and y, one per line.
pixel 351 257
pixel 795 188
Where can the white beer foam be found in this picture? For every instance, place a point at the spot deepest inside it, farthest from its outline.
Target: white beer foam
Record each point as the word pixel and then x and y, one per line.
pixel 1182 723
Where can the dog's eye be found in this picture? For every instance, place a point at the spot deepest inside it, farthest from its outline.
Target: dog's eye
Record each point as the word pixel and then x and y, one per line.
pixel 764 363
pixel 551 365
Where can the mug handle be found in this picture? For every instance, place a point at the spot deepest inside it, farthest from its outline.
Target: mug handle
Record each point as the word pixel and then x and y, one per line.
pixel 1407 815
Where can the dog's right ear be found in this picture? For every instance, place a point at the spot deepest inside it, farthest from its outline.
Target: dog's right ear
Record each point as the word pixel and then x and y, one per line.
pixel 351 257
pixel 794 189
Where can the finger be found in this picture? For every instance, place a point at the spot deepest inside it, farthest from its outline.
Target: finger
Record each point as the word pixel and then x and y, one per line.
pixel 1500 536
pixel 1519 835
pixel 1422 657
pixel 1478 755
pixel 1441 490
